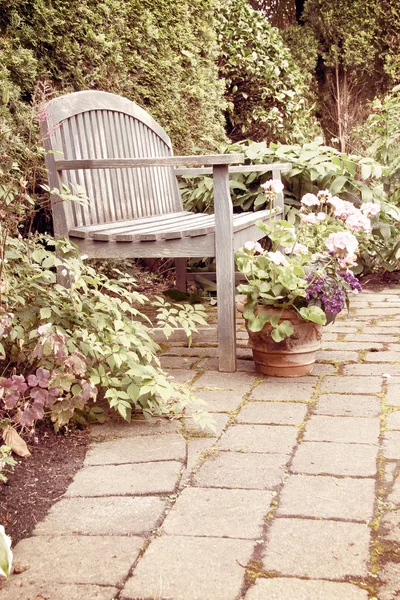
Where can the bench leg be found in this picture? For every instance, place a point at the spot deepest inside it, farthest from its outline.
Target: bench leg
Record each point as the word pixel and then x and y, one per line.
pixel 180 274
pixel 225 271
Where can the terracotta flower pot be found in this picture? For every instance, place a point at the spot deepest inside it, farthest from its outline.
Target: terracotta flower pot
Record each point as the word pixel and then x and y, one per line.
pixel 294 356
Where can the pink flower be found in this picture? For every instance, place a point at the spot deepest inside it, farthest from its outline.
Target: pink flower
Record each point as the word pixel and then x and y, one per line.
pixel 273 184
pixel 310 200
pixel 370 209
pixel 321 216
pixel 324 196
pixel 254 247
pixel 277 258
pixel 358 221
pixel 309 219
pixel 342 242
pixel 348 261
pixel 297 249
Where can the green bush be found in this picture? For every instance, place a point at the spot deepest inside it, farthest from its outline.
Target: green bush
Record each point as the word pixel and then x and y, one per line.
pixel 159 54
pixel 62 348
pixel 268 93
pixel 379 137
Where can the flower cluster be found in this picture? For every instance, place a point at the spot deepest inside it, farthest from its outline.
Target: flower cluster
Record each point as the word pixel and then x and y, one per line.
pixel 308 270
pixel 318 207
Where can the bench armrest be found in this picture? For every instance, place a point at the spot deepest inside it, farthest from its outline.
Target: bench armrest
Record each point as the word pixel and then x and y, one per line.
pixel 282 167
pixel 167 161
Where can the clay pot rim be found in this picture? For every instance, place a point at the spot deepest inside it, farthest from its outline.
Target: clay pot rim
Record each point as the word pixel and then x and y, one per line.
pixel 286 313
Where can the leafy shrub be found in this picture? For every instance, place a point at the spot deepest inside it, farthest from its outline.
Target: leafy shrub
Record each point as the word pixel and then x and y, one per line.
pixel 64 347
pixel 159 54
pixel 268 93
pixel 314 167
pixel 379 137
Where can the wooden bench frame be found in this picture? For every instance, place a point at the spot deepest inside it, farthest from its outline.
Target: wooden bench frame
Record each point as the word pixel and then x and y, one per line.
pixel 174 233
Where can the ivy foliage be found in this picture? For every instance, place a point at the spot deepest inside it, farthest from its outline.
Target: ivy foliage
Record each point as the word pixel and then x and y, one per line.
pixel 268 93
pixel 159 54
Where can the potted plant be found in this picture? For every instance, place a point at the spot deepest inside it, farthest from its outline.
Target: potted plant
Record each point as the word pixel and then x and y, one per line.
pixel 302 282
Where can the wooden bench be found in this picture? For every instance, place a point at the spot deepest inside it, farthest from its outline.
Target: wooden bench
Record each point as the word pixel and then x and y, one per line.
pixel 124 161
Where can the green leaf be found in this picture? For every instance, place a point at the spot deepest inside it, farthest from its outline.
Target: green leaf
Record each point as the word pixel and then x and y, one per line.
pixel 314 314
pixel 45 313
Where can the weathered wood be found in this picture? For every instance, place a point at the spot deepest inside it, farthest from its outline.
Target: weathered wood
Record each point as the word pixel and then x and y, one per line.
pixel 163 161
pixel 180 272
pixel 267 168
pixel 225 270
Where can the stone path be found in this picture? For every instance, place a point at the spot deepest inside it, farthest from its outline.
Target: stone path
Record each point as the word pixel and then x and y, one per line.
pixel 296 497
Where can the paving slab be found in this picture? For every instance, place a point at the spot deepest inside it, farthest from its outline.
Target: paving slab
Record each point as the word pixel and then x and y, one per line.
pixel 15 589
pixel 114 515
pixel 196 450
pixel 278 439
pixel 238 470
pixel 77 559
pixel 385 356
pixel 317 549
pixel 393 420
pixel 114 428
pixel 375 369
pixel 350 405
pixel 220 421
pixel 184 568
pixel 391 445
pixel 357 385
pixel 279 588
pixel 393 394
pixel 126 480
pixel 321 428
pixel 242 362
pixel 394 495
pixel 346 346
pixel 177 362
pixel 182 376
pixel 216 512
pixel 323 369
pixel 240 382
pixel 337 356
pixel 389 578
pixel 370 335
pixel 390 526
pixel 356 460
pixel 283 388
pixel 327 497
pixel 221 400
pixel 136 450
pixel 272 413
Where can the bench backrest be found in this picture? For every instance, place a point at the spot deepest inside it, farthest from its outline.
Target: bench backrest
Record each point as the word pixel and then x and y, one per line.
pixel 94 124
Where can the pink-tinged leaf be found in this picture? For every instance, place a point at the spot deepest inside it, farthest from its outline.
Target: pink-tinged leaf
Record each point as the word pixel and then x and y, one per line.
pixel 54 392
pixel 51 400
pixel 76 362
pixel 88 390
pixel 11 400
pixel 18 384
pixel 32 380
pixel 43 377
pixel 28 417
pixel 38 351
pixel 43 329
pixel 39 394
pixel 5 382
pixel 78 401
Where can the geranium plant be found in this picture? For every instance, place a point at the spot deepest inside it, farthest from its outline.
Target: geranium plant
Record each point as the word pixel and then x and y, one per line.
pixel 308 270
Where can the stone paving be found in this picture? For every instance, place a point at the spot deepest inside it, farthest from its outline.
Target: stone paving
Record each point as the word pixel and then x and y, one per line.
pixel 296 497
